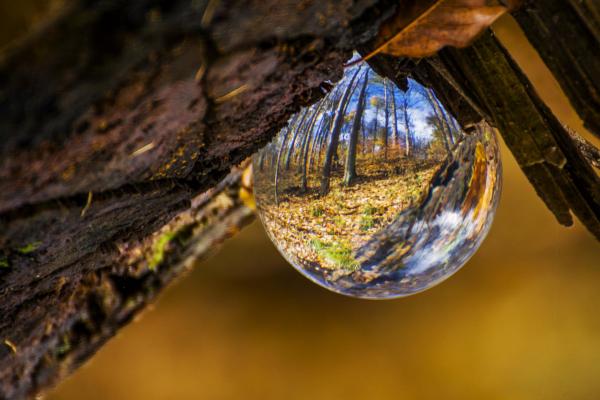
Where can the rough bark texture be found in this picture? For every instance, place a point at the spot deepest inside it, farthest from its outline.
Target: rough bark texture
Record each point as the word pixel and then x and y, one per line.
pixel 482 81
pixel 334 135
pixel 112 119
pixel 350 164
pixel 566 33
pixel 544 149
pixel 120 122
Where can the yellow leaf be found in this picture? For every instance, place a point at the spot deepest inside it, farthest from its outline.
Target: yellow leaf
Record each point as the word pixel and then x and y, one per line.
pixel 246 189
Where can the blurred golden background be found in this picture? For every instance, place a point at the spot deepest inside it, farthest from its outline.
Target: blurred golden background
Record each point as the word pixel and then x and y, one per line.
pixel 519 321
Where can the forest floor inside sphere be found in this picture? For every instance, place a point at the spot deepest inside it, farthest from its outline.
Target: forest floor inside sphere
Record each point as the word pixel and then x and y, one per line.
pixel 324 231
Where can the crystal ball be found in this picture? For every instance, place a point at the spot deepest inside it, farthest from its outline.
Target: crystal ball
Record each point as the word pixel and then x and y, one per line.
pixel 377 192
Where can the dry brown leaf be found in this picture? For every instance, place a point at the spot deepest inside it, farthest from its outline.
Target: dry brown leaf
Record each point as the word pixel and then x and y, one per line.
pixel 429 26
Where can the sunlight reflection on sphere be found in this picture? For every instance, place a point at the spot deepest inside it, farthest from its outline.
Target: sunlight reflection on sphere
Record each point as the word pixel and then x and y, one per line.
pixel 377 193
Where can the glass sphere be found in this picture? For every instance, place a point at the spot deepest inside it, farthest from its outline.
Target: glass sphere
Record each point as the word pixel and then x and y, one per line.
pixel 375 192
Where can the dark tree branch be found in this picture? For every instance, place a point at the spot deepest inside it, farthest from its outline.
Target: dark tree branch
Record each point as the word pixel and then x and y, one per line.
pixel 544 149
pixel 113 119
pixel 566 33
pixel 586 148
pixel 483 82
pixel 557 163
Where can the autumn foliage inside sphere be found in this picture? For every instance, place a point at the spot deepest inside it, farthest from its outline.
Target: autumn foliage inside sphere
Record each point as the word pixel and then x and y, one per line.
pixel 375 192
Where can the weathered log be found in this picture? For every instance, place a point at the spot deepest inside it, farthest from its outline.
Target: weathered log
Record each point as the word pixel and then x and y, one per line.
pixel 566 34
pixel 483 82
pixel 546 152
pixel 113 118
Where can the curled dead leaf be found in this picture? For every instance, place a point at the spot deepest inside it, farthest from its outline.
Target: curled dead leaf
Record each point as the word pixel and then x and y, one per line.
pixel 423 28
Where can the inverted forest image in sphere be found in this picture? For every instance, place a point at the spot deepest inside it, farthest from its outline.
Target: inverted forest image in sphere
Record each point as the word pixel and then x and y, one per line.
pixel 376 191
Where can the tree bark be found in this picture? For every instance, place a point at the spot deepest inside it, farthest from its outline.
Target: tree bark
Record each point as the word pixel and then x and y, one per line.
pixel 120 122
pixel 318 150
pixel 387 118
pixel 297 129
pixel 375 125
pixel 549 157
pixel 315 144
pixel 277 163
pixel 407 135
pixel 444 128
pixel 350 167
pixel 566 34
pixel 394 112
pixel 114 117
pixel 310 133
pixel 334 135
